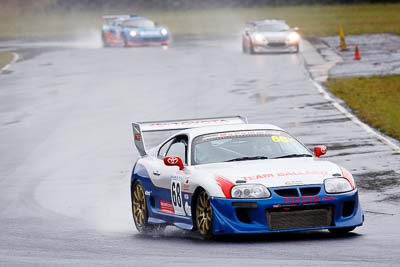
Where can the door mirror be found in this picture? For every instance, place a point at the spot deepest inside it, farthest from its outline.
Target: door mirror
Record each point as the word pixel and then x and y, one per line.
pixel 319 151
pixel 174 161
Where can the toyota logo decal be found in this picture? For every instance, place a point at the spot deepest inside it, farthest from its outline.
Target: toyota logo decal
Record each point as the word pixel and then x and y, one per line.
pixel 172 160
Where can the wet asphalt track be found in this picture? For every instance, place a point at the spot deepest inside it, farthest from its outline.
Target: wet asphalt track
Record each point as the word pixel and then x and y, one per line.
pixel 67 152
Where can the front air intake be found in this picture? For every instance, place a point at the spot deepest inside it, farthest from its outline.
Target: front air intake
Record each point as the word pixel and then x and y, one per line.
pixel 299 217
pixel 287 192
pixel 348 208
pixel 310 191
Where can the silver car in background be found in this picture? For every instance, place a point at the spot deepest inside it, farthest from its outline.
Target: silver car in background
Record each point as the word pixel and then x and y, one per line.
pixel 262 36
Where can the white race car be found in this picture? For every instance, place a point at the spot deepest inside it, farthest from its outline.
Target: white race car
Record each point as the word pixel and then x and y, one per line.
pixel 270 35
pixel 224 176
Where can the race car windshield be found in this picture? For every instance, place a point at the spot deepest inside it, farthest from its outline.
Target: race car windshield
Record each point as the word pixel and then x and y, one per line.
pixel 245 145
pixel 272 28
pixel 143 23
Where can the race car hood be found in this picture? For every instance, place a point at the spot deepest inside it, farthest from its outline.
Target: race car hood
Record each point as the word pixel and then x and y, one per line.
pixel 274 172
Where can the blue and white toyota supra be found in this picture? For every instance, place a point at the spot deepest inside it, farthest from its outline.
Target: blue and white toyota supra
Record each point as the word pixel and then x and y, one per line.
pixel 224 176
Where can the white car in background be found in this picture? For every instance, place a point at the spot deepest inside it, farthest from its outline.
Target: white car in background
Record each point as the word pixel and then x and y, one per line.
pixel 269 35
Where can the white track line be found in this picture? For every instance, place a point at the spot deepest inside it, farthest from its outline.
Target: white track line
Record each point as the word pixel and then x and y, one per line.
pixel 15 59
pixel 395 147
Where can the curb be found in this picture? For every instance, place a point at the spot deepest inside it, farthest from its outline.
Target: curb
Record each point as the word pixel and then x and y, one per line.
pixel 340 107
pixel 14 59
pixel 378 135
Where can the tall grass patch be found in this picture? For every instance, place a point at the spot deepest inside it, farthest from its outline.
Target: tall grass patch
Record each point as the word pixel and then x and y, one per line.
pixel 5 58
pixel 376 100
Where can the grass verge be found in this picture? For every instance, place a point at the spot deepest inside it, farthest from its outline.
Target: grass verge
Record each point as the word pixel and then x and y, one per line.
pixel 5 58
pixel 313 20
pixel 373 99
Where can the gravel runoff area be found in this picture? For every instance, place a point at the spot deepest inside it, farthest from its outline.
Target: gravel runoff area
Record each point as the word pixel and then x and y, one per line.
pixel 380 55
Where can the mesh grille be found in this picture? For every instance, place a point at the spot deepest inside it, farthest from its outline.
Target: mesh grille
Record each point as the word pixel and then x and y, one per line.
pixel 277 44
pixel 305 217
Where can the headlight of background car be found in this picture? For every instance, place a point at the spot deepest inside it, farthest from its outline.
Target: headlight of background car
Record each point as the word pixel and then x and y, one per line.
pixel 293 37
pixel 250 191
pixel 258 37
pixel 164 32
pixel 337 185
pixel 133 33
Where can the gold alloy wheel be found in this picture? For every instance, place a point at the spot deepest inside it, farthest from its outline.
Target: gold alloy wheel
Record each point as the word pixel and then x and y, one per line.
pixel 139 208
pixel 204 214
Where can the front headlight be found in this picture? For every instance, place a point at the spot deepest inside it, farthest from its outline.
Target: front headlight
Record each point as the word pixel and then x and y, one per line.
pixel 133 33
pixel 250 191
pixel 164 32
pixel 258 37
pixel 293 37
pixel 337 185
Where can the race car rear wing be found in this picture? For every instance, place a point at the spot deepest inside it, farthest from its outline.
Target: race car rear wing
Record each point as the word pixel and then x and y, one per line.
pixel 174 125
pixel 108 18
pixel 265 21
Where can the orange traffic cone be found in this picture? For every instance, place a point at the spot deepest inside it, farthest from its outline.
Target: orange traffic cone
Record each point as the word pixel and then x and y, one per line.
pixel 357 55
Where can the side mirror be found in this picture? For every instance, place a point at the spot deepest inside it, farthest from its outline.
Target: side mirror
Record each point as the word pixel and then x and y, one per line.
pixel 174 161
pixel 319 151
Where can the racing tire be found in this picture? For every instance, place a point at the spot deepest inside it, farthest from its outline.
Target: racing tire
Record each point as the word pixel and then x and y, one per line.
pixel 204 215
pixel 251 49
pixel 341 231
pixel 244 48
pixel 125 40
pixel 297 49
pixel 140 211
pixel 104 40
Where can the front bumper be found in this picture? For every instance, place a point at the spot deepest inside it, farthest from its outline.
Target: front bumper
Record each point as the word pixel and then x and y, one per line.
pixel 286 214
pixel 148 41
pixel 274 46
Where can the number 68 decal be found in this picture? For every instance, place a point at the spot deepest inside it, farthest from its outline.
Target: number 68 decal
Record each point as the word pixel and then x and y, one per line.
pixel 176 197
